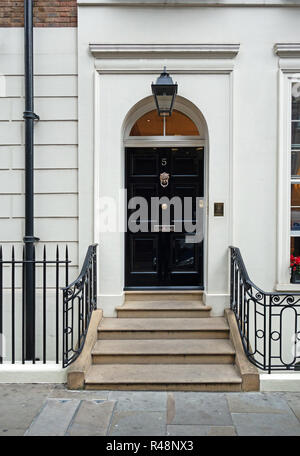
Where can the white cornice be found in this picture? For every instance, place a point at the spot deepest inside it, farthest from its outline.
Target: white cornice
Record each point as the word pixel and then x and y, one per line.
pixel 287 50
pixel 191 3
pixel 153 51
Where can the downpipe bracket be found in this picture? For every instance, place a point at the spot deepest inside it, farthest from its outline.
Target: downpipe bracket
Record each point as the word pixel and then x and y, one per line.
pixel 30 115
pixel 30 239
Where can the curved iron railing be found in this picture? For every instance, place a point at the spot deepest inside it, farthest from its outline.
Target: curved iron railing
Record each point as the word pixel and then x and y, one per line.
pixel 269 323
pixel 79 302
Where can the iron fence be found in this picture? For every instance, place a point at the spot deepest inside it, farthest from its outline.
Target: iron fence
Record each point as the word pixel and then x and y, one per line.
pixel 48 277
pixel 268 322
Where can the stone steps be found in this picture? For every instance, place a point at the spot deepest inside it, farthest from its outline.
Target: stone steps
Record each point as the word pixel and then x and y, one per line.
pixel 163 309
pixel 164 351
pixel 158 295
pixel 167 342
pixel 163 328
pixel 164 377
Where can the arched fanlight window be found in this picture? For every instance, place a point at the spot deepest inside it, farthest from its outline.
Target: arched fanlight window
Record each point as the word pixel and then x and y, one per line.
pixel 151 124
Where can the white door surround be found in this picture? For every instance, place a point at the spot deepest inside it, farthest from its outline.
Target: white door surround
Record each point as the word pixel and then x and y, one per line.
pixel 122 78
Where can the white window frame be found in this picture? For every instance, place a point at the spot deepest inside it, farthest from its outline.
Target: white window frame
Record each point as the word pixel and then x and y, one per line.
pixel 287 76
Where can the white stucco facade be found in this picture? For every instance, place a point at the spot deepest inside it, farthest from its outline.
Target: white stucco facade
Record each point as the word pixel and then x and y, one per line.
pixel 238 94
pixel 233 62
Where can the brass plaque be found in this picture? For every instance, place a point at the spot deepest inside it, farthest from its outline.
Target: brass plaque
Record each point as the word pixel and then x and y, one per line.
pixel 219 209
pixel 164 228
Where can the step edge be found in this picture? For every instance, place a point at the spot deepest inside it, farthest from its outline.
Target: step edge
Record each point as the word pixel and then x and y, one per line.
pixel 193 309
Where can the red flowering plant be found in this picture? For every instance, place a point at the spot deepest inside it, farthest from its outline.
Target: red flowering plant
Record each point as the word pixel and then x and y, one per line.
pixel 295 263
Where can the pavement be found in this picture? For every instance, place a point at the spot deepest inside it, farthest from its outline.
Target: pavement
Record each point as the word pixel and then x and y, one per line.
pixel 52 410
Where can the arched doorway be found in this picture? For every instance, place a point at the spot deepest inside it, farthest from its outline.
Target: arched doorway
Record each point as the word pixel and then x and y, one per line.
pixel 166 191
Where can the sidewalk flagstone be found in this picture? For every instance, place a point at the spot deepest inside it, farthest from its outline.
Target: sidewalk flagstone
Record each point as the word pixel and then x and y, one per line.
pixel 60 391
pixel 92 418
pixel 256 403
pixel 48 410
pixel 200 408
pixel 293 400
pixel 54 418
pixel 199 430
pixel 266 424
pixel 137 423
pixel 154 401
pixel 19 404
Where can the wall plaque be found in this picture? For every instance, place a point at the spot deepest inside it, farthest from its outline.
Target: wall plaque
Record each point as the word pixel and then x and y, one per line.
pixel 219 209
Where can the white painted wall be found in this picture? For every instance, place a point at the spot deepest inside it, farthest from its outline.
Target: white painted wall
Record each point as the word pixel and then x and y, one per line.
pixel 251 133
pixel 240 107
pixel 56 165
pixel 56 162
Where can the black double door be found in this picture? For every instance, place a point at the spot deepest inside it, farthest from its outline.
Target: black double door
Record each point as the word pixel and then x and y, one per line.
pixel 160 248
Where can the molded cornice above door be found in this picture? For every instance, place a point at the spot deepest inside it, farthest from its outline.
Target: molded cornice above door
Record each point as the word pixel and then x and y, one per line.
pixel 186 51
pixel 287 50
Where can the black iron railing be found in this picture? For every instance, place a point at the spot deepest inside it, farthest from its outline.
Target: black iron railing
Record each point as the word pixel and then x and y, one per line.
pixel 269 323
pixel 47 278
pixel 79 301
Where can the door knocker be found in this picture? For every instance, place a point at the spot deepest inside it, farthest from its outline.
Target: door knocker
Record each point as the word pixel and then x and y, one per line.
pixel 164 179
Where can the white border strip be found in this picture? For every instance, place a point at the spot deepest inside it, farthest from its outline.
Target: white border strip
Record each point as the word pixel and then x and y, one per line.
pixel 190 3
pixel 280 382
pixel 32 373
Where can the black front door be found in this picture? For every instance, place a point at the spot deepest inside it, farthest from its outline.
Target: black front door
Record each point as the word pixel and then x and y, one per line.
pixel 160 248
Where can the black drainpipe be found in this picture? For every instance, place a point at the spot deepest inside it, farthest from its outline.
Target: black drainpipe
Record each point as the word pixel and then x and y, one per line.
pixel 29 238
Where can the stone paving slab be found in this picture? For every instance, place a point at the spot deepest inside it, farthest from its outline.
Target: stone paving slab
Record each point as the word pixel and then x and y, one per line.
pixel 137 423
pixel 53 410
pixel 293 400
pixel 92 418
pixel 198 430
pixel 198 408
pixel 55 418
pixel 12 432
pixel 266 424
pixel 19 404
pixel 154 401
pixel 60 391
pixel 257 403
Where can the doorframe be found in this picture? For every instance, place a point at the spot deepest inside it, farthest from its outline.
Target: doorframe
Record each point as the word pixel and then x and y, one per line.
pixel 221 63
pixel 178 143
pixel 186 107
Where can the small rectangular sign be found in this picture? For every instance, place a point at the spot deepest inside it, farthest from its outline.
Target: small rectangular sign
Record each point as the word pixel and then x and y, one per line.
pixel 164 228
pixel 218 209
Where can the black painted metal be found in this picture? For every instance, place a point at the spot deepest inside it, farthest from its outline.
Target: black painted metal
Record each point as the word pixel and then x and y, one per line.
pixel 271 337
pixel 29 239
pixel 79 302
pixel 154 258
pixel 13 287
pixel 164 92
pixel 1 307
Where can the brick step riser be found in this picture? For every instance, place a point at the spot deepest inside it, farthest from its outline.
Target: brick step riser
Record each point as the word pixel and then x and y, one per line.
pixel 163 359
pixel 180 334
